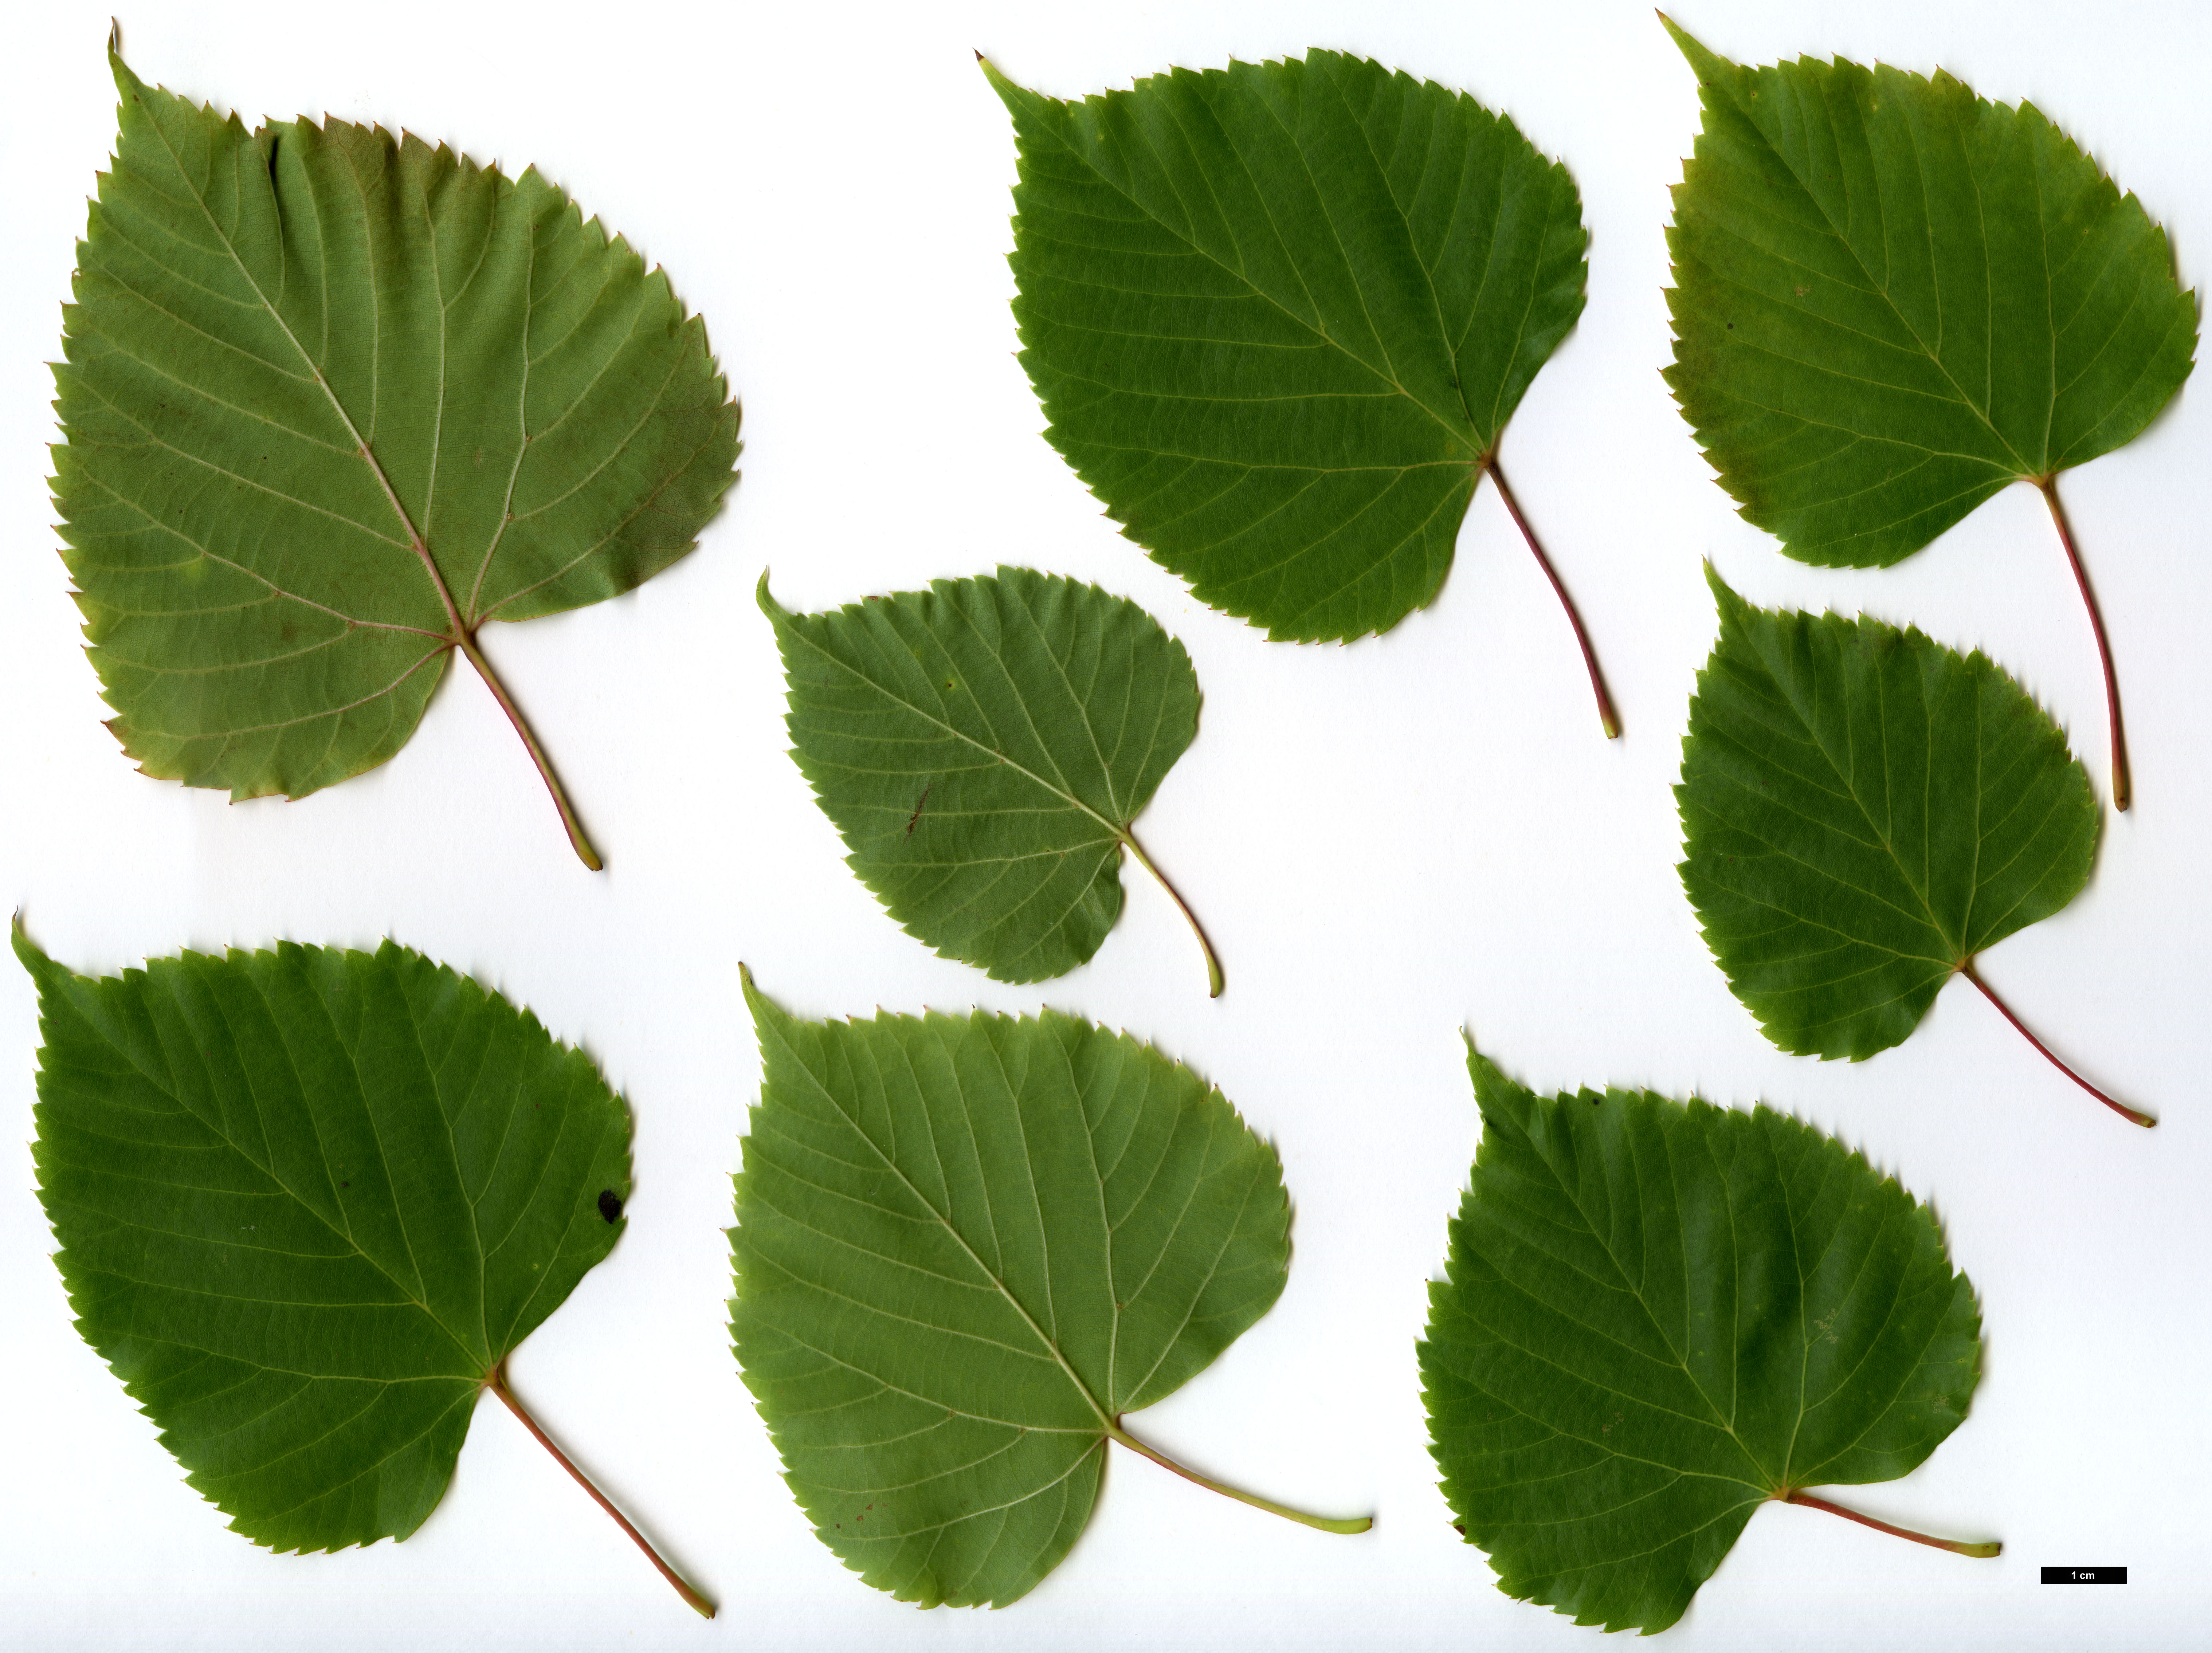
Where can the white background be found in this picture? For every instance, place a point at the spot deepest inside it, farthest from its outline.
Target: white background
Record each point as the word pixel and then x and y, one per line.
pixel 1389 843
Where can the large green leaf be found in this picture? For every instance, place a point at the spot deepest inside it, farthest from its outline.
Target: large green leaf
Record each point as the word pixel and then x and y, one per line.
pixel 1891 298
pixel 332 402
pixel 965 1246
pixel 1864 810
pixel 1655 1319
pixel 983 747
pixel 1279 315
pixel 308 1201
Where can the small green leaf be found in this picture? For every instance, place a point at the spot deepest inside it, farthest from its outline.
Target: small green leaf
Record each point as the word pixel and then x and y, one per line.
pixel 1655 1319
pixel 309 1202
pixel 983 747
pixel 332 402
pixel 1279 315
pixel 965 1246
pixel 1892 298
pixel 1864 810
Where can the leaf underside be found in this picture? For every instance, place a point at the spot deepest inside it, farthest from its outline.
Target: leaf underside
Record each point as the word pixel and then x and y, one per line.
pixel 1864 810
pixel 1891 298
pixel 1655 1318
pixel 307 1200
pixel 1278 315
pixel 331 401
pixel 963 1246
pixel 982 748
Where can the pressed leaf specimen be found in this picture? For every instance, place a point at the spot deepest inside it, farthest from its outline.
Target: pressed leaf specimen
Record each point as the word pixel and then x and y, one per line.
pixel 309 1202
pixel 1864 811
pixel 1278 314
pixel 1892 298
pixel 1657 1318
pixel 332 402
pixel 965 1247
pixel 982 747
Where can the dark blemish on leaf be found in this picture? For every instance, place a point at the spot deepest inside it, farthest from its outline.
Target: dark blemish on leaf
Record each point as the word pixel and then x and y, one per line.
pixel 915 819
pixel 1460 1528
pixel 345 1185
pixel 1731 326
pixel 609 1205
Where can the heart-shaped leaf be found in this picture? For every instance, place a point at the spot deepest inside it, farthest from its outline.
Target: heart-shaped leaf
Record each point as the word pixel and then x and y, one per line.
pixel 1279 315
pixel 308 1203
pixel 1864 811
pixel 1892 298
pixel 983 747
pixel 1656 1319
pixel 332 402
pixel 965 1246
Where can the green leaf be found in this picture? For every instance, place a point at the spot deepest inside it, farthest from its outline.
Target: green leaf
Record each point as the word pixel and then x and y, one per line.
pixel 1657 1318
pixel 1893 298
pixel 309 1202
pixel 983 747
pixel 965 1246
pixel 332 402
pixel 1864 810
pixel 1279 315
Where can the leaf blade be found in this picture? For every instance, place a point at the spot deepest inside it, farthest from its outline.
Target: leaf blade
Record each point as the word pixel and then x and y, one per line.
pixel 1270 329
pixel 983 748
pixel 1892 298
pixel 1651 1253
pixel 1863 811
pixel 286 1222
pixel 965 1246
pixel 307 449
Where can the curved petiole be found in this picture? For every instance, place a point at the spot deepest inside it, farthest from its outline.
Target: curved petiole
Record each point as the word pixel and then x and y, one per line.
pixel 1980 1551
pixel 1320 1524
pixel 2133 1116
pixel 2122 784
pixel 1213 966
pixel 1606 716
pixel 496 1382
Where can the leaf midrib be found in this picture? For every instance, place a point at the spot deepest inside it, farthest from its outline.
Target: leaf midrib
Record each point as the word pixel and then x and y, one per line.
pixel 1850 790
pixel 1118 833
pixel 1635 1292
pixel 1469 438
pixel 1051 1347
pixel 1876 286
pixel 415 541
pixel 163 1089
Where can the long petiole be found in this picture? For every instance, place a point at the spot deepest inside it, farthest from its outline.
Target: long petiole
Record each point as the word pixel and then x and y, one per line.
pixel 497 1383
pixel 1981 1552
pixel 584 852
pixel 1606 714
pixel 1212 964
pixel 1323 1523
pixel 2125 1112
pixel 2122 785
